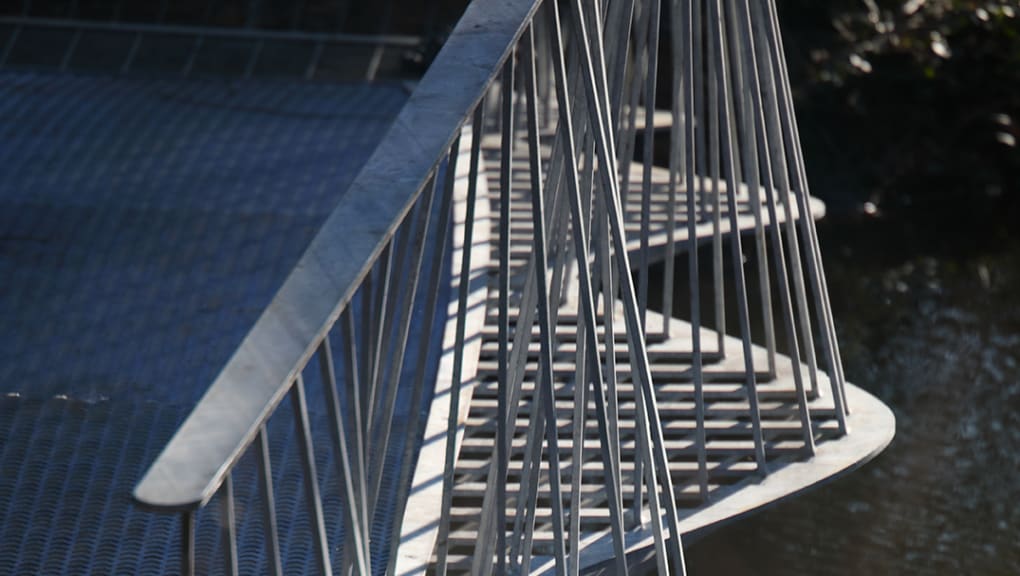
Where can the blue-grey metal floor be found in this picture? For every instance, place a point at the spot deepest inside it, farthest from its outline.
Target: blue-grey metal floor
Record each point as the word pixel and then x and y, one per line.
pixel 144 225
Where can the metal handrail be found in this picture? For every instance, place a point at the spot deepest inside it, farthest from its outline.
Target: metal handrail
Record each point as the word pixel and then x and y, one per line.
pixel 404 41
pixel 356 238
pixel 226 421
pixel 373 242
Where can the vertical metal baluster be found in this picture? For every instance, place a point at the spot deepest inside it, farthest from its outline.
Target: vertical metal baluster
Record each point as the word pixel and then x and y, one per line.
pixel 129 60
pixel 651 75
pixel 628 131
pixel 822 289
pixel 188 543
pixel 339 435
pixel 603 276
pixel 597 103
pixel 544 78
pixel 736 48
pixel 524 520
pixel 502 412
pixel 9 47
pixel 581 379
pixel 228 526
pixel 364 360
pixel 762 132
pixel 621 193
pixel 272 536
pixel 378 300
pixel 531 462
pixel 253 60
pixel 545 380
pixel 743 315
pixel 815 266
pixel 410 280
pixel 577 233
pixel 621 14
pixel 313 500
pixel 714 168
pixel 494 502
pixel 352 382
pixel 587 331
pixel 383 367
pixel 609 311
pixel 527 506
pixel 375 350
pixel 694 286
pixel 69 52
pixel 453 422
pixel 596 52
pixel 677 129
pixel 313 61
pixel 558 251
pixel 648 475
pixel 373 64
pixel 525 323
pixel 700 120
pixel 436 276
pixel 195 49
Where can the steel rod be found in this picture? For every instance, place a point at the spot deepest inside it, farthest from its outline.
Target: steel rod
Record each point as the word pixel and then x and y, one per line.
pixel 453 422
pixel 311 478
pixel 405 314
pixel 651 76
pixel 359 464
pixel 815 267
pixel 505 179
pixel 587 328
pixel 743 315
pixel 597 102
pixel 545 326
pixel 741 21
pixel 269 527
pixel 436 275
pixel 694 286
pixel 188 543
pixel 340 447
pixel 749 172
pixel 228 526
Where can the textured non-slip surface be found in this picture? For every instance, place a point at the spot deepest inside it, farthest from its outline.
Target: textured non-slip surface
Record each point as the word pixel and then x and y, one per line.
pixel 144 225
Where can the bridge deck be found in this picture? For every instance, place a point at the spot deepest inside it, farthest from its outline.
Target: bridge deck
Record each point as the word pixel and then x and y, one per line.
pixel 145 223
pixel 735 485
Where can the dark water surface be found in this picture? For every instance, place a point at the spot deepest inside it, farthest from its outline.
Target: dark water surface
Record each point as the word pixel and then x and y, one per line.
pixel 938 340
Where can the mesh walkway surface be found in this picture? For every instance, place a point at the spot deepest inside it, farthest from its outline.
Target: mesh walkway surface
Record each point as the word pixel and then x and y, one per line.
pixel 144 225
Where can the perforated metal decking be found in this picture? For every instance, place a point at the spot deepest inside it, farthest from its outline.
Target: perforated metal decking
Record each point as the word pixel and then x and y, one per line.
pixel 144 225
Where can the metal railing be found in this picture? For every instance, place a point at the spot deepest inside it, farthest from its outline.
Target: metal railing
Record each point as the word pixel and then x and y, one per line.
pixel 252 42
pixel 343 316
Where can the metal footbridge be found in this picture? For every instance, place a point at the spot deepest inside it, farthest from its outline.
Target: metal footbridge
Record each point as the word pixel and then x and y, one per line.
pixel 571 309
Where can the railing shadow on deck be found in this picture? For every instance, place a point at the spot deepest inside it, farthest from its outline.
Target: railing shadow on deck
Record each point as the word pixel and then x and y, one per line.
pixel 340 324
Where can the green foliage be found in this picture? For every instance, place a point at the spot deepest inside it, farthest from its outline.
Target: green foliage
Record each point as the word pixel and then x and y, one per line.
pixel 913 106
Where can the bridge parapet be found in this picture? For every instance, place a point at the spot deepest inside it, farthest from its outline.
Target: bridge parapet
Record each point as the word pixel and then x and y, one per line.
pixel 566 352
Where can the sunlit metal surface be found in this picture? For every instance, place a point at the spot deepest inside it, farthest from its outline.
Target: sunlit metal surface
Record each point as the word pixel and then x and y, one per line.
pixel 576 424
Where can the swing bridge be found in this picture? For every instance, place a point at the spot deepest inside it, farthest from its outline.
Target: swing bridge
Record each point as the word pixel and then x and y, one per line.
pixel 570 311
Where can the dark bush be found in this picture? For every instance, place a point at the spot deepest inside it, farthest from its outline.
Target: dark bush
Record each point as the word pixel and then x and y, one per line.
pixel 914 107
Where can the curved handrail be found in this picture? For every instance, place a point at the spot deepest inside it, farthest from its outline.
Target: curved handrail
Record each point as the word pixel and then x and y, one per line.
pixel 194 464
pixel 577 247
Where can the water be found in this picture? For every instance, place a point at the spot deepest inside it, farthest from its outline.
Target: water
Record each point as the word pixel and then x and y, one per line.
pixel 938 340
